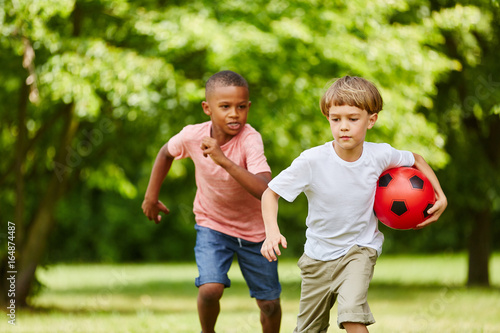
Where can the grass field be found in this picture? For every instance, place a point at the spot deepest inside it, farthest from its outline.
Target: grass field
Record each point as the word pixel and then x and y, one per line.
pixel 408 294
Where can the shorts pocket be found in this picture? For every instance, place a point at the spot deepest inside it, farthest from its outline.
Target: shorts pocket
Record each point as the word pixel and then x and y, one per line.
pixel 302 258
pixel 370 253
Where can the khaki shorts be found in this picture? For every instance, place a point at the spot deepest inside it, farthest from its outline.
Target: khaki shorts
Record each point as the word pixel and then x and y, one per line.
pixel 345 279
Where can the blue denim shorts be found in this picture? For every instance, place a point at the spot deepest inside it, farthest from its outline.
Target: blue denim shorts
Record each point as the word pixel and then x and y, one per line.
pixel 214 253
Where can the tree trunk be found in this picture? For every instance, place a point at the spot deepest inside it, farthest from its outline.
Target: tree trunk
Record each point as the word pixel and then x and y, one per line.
pixel 18 170
pixel 20 158
pixel 43 221
pixel 479 251
pixel 34 238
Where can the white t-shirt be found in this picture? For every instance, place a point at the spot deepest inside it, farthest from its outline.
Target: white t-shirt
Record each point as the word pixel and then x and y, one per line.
pixel 340 196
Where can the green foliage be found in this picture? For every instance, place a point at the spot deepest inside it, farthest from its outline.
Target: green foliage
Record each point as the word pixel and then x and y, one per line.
pixel 134 72
pixel 470 99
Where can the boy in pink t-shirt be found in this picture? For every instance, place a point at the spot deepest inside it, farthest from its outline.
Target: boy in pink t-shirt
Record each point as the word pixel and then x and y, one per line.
pixel 231 175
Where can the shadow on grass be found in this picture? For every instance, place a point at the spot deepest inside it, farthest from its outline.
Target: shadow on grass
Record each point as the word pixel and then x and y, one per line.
pixel 160 288
pixel 167 293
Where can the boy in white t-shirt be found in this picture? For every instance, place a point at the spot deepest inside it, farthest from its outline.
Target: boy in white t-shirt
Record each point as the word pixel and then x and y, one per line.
pixel 231 174
pixel 339 179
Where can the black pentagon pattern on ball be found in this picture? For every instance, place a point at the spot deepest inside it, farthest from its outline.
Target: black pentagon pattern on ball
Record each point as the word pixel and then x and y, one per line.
pixel 399 207
pixel 426 209
pixel 417 182
pixel 384 180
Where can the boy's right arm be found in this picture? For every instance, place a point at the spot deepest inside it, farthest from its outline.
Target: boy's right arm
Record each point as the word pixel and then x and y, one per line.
pixel 270 247
pixel 151 206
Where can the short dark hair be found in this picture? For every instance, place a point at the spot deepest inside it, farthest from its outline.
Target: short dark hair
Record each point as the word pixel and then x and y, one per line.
pixel 352 91
pixel 224 79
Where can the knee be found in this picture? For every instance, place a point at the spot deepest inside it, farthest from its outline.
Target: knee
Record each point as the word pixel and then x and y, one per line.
pixel 211 292
pixel 269 308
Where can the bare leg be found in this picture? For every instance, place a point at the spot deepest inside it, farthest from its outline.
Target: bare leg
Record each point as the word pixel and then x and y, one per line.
pixel 355 327
pixel 209 295
pixel 270 315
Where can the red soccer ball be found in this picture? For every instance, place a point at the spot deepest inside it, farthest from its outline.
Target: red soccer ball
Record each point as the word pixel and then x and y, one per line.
pixel 403 197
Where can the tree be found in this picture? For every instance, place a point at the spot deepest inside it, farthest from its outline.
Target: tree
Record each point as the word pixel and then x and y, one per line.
pixel 76 93
pixel 469 100
pixel 95 87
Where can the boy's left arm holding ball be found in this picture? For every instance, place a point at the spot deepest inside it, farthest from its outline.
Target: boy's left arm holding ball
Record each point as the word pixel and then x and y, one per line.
pixel 441 202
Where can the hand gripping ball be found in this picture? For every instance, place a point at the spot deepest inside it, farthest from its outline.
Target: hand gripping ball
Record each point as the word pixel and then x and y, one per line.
pixel 403 197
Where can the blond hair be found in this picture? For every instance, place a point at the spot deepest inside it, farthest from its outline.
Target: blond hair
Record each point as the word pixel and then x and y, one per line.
pixel 352 91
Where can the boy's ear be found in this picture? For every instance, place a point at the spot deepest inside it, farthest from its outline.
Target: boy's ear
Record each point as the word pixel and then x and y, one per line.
pixel 206 108
pixel 372 120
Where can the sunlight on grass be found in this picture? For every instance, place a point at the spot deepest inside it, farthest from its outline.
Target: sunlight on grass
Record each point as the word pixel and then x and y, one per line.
pixel 445 269
pixel 408 294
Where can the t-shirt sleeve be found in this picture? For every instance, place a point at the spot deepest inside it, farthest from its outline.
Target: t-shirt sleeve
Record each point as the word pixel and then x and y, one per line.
pixel 400 158
pixel 256 161
pixel 293 180
pixel 176 145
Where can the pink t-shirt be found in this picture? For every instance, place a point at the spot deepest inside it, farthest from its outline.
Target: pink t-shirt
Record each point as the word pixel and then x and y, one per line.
pixel 221 203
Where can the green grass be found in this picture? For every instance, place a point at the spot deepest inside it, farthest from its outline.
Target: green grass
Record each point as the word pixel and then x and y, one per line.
pixel 408 294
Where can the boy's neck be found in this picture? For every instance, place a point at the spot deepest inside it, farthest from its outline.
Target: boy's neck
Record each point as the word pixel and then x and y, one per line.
pixel 351 155
pixel 222 138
